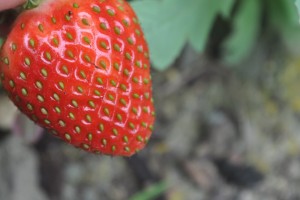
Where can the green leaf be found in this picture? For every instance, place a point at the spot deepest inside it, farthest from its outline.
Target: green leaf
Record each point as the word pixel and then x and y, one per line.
pixel 226 7
pixel 151 192
pixel 284 18
pixel 1 42
pixel 166 24
pixel 283 13
pixel 169 24
pixel 203 21
pixel 297 3
pixel 245 31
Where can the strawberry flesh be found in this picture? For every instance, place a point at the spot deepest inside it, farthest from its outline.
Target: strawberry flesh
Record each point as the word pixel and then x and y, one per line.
pixel 80 68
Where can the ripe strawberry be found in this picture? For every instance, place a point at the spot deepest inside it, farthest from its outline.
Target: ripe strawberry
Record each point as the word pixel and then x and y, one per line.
pixel 81 69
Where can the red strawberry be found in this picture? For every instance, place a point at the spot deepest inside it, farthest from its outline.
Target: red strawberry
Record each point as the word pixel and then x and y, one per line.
pixel 81 69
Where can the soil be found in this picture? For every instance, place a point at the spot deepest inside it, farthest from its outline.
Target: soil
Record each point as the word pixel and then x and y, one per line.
pixel 220 134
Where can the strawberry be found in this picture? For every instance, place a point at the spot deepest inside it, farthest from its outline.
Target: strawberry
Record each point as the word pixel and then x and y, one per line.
pixel 80 68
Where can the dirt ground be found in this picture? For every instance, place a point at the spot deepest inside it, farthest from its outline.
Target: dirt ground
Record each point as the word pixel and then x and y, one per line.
pixel 219 135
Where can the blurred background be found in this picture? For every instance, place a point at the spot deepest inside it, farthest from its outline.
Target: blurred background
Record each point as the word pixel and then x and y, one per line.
pixel 226 82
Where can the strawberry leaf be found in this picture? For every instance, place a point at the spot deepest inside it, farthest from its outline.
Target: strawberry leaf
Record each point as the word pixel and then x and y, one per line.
pixel 297 2
pixel 246 29
pixel 170 24
pixel 226 7
pixel 166 25
pixel 1 42
pixel 285 18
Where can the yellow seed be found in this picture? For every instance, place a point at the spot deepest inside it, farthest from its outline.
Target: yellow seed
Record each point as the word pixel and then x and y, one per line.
pixel 128 56
pixel 90 136
pixel 117 47
pixel 88 118
pixel 56 97
pixel 48 56
pixel 115 132
pixel 55 41
pixel 106 111
pixel 71 115
pixel 139 138
pixel 116 66
pixel 110 12
pixel 125 138
pixel 87 58
pixel 113 83
pixel 22 75
pixel 126 72
pixel 104 142
pixel 85 22
pixel 57 109
pixel 39 85
pixel 75 5
pixel 27 61
pixel 119 117
pixel 68 137
pixel 79 89
pixel 31 43
pixel 99 80
pixel 77 129
pixel 86 40
pixel 65 69
pixel 101 127
pixel 40 98
pixel 61 85
pixel 82 74
pixel 53 19
pixel 24 92
pixel 96 9
pixel 62 123
pixel 97 92
pixel 103 45
pixel 117 30
pixel 11 83
pixel 135 80
pixel 92 104
pixel 103 64
pixel 136 96
pixel 113 148
pixel 44 111
pixel 41 27
pixel 130 40
pixel 29 106
pixel 44 72
pixel 103 26
pixel 13 47
pixel 74 103
pixel 111 97
pixel 123 102
pixel 144 124
pixel 131 125
pixel 134 110
pixel 127 149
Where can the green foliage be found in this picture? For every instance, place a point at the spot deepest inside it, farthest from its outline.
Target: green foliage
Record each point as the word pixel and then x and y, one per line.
pixel 1 41
pixel 151 192
pixel 284 18
pixel 170 24
pixel 246 27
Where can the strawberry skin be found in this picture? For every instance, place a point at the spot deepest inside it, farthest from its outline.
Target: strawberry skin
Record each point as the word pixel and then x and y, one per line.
pixel 80 68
